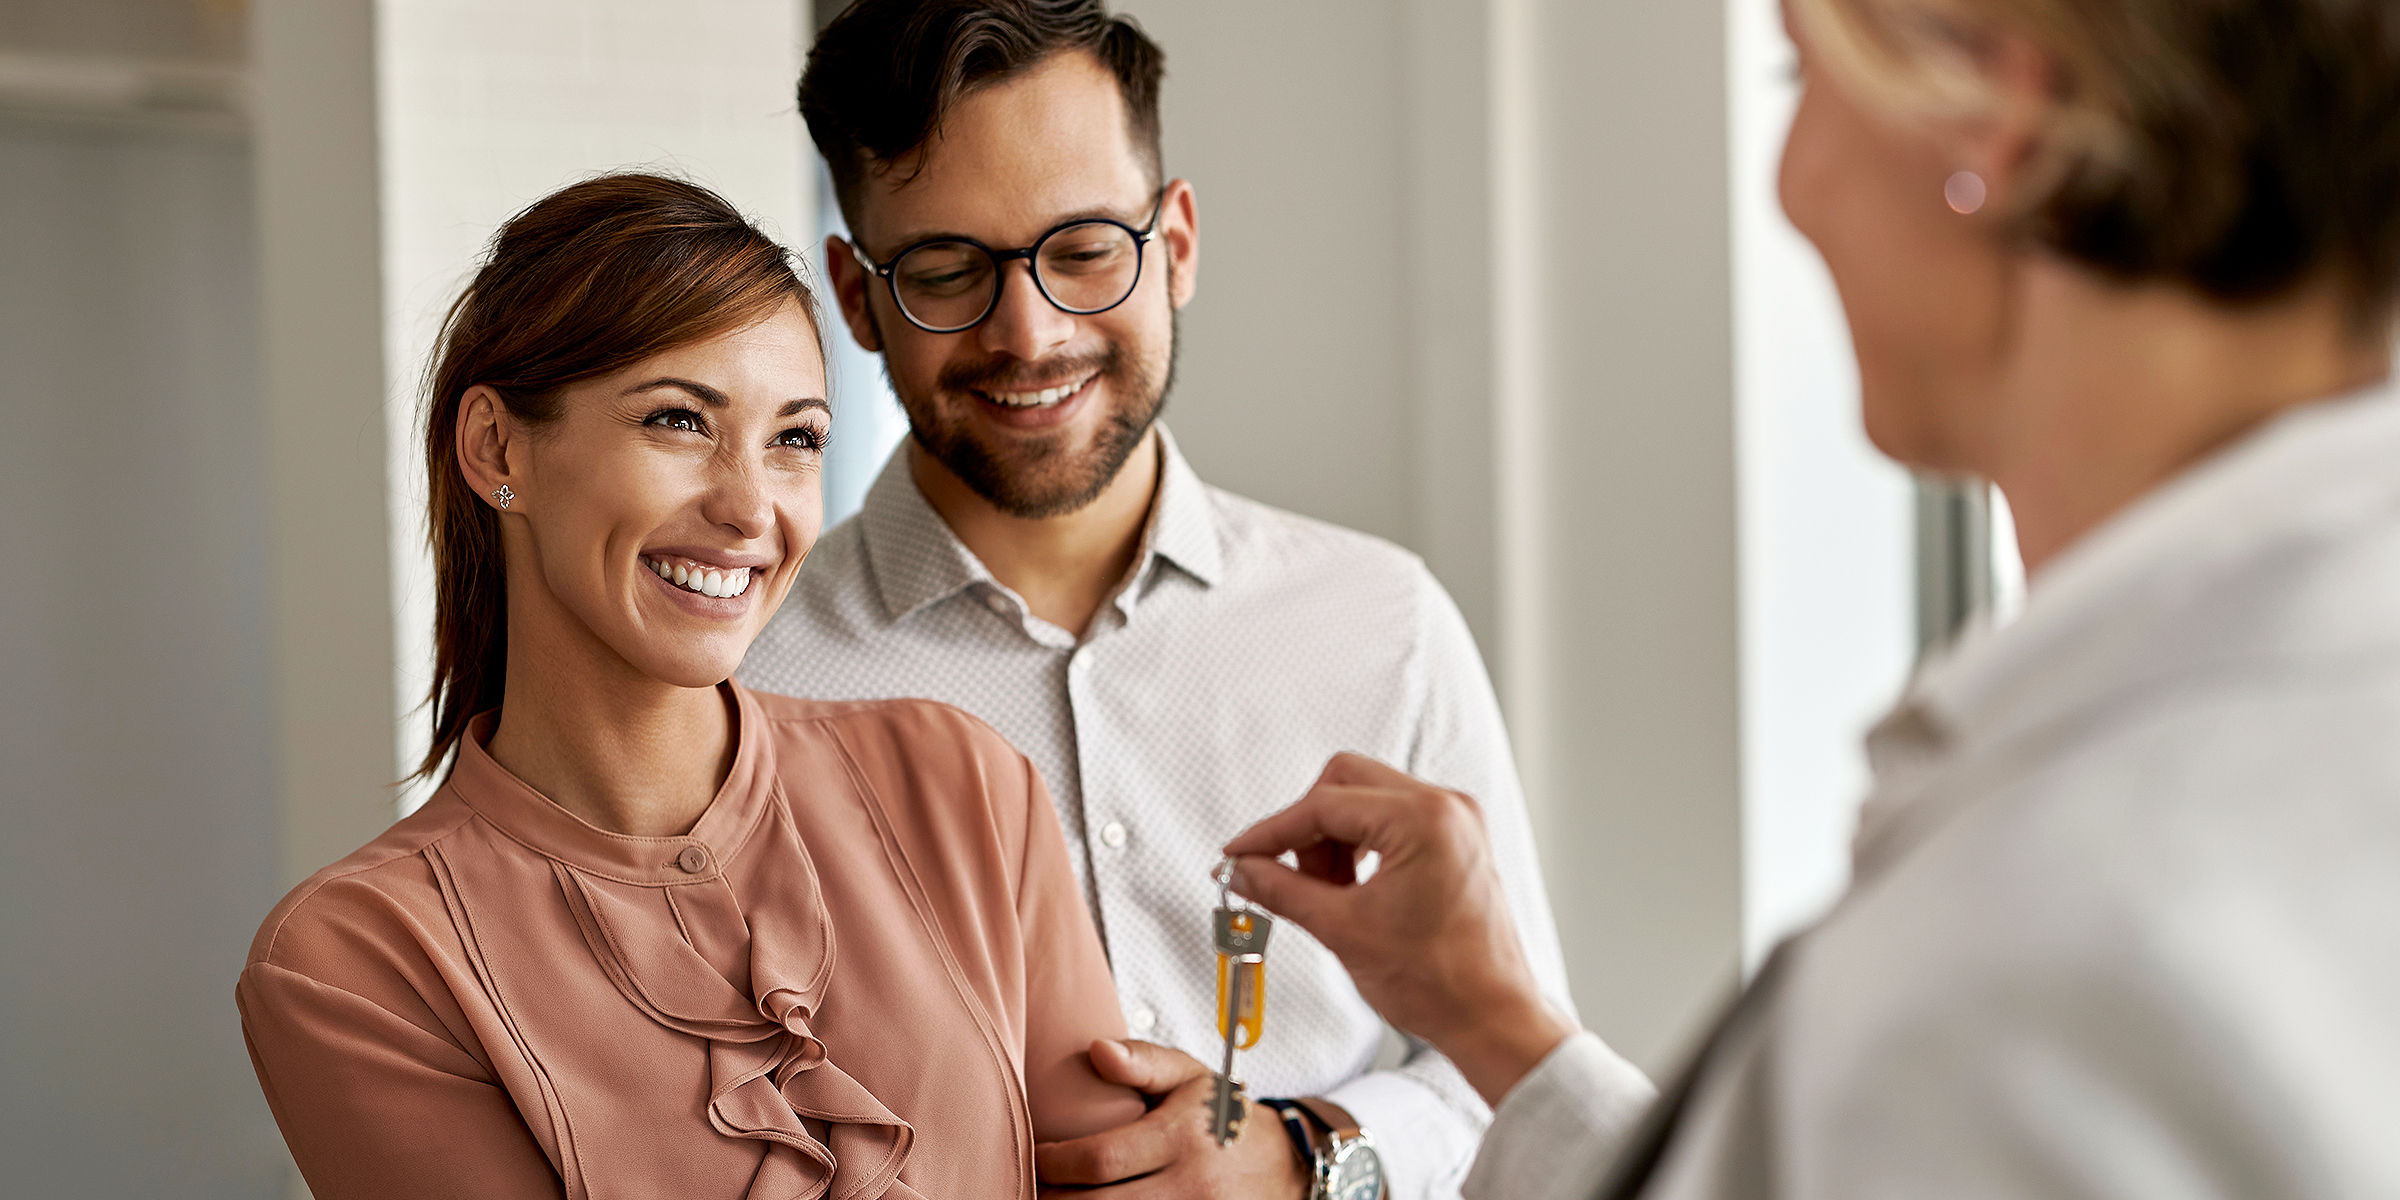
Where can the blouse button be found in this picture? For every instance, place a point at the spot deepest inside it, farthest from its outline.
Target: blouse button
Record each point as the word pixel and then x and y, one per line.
pixel 693 860
pixel 996 602
pixel 1112 835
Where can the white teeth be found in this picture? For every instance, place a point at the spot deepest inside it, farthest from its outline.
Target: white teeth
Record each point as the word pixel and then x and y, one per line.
pixel 1040 399
pixel 719 583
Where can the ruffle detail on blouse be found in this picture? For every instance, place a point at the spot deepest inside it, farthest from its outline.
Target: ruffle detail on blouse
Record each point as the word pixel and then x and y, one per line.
pixel 771 1078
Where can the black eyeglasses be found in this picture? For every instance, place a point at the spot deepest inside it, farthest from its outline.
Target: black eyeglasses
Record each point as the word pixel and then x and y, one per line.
pixel 950 284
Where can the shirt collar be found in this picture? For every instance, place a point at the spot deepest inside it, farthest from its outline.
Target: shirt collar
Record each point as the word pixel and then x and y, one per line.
pixel 2144 597
pixel 916 560
pixel 1183 523
pixel 536 822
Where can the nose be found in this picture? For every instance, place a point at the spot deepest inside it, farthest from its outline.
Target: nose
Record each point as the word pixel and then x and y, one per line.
pixel 1024 324
pixel 738 498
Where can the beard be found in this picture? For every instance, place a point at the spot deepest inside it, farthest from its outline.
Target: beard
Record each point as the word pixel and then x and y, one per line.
pixel 1044 476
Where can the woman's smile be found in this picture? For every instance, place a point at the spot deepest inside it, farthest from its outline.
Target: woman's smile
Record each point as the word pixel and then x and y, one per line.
pixel 715 580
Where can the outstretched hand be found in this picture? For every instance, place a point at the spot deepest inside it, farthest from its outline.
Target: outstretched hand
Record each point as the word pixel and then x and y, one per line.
pixel 1170 1153
pixel 1428 938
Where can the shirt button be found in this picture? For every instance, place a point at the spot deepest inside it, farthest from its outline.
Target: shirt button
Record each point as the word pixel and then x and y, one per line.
pixel 1112 835
pixel 997 603
pixel 1142 1020
pixel 693 860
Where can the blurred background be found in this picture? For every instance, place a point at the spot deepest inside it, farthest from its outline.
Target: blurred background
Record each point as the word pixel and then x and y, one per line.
pixel 1502 281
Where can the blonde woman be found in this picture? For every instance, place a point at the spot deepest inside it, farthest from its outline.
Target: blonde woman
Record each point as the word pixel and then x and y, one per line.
pixel 2125 918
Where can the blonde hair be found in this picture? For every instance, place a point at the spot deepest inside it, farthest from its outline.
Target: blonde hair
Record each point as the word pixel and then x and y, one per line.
pixel 2242 147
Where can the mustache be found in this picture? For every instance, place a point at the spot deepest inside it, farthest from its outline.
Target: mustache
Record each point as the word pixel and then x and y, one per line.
pixel 1011 375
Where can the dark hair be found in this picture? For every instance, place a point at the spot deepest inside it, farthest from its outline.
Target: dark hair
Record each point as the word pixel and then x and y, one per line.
pixel 2242 148
pixel 588 281
pixel 883 73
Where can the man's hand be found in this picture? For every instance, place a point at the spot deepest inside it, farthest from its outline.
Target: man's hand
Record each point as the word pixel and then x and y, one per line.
pixel 1170 1154
pixel 1427 939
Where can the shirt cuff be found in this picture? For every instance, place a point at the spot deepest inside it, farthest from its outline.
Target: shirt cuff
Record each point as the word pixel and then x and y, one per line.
pixel 1556 1133
pixel 1424 1140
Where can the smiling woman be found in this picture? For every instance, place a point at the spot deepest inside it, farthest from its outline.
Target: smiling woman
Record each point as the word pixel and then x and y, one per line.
pixel 655 934
pixel 554 326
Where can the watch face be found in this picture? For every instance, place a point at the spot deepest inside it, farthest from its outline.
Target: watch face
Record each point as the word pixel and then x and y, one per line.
pixel 1357 1174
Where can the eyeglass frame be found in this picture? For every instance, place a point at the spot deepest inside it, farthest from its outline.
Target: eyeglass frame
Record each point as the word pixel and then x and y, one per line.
pixel 887 270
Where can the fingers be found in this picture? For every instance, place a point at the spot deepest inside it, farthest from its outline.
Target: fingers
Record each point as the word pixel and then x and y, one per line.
pixel 1328 813
pixel 1333 862
pixel 1139 1148
pixel 1312 904
pixel 1349 768
pixel 1119 1154
pixel 1145 1067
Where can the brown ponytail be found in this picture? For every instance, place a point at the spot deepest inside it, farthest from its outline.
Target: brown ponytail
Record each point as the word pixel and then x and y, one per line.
pixel 586 282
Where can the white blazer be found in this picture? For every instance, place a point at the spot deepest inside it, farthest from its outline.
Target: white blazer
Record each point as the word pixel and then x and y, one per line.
pixel 2126 911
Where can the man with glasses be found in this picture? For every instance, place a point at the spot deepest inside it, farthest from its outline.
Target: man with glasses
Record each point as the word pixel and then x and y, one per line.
pixel 1176 661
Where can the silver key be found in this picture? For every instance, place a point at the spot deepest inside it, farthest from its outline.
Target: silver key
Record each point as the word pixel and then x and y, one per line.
pixel 1241 945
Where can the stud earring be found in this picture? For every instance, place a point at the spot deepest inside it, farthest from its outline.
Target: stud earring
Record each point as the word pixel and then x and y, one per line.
pixel 502 495
pixel 1965 192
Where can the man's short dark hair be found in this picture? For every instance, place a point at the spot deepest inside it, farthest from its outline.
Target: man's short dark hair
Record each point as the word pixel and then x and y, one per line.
pixel 884 72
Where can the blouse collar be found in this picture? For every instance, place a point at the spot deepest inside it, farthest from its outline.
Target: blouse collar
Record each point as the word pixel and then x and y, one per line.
pixel 541 825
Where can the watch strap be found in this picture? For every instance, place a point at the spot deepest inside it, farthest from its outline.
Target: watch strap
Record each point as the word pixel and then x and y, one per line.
pixel 1340 1124
pixel 1295 1125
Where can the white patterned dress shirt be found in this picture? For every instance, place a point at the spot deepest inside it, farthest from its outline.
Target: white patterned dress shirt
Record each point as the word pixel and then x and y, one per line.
pixel 1247 647
pixel 2126 921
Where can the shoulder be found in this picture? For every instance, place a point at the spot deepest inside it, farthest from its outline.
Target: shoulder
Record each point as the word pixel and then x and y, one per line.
pixel 931 727
pixel 910 751
pixel 369 907
pixel 1263 533
pixel 1306 565
pixel 2191 914
pixel 1324 577
pixel 947 788
pixel 2127 826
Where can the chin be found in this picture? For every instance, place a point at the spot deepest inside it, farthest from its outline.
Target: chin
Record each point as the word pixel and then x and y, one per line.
pixel 1903 421
pixel 691 669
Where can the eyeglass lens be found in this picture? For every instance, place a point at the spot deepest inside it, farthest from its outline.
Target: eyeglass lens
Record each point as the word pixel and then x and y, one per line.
pixel 1083 268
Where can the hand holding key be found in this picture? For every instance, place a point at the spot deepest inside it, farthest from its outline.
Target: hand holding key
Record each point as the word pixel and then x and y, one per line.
pixel 1429 939
pixel 1241 941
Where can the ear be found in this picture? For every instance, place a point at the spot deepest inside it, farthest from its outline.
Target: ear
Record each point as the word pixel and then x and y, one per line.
pixel 850 282
pixel 487 440
pixel 1179 228
pixel 2001 143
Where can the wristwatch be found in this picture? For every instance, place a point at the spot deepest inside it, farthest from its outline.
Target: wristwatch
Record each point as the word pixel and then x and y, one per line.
pixel 1342 1161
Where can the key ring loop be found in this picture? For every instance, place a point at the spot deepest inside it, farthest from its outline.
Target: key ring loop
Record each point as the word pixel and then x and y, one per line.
pixel 1223 874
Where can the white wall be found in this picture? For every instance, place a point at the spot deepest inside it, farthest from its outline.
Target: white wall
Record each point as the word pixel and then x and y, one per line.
pixel 487 108
pixel 314 170
pixel 1639 715
pixel 1828 539
pixel 139 720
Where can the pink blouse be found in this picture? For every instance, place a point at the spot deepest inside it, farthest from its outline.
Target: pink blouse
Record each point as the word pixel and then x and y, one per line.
pixel 865 972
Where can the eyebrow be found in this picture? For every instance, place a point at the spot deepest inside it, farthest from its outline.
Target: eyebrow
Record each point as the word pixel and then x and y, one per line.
pixel 715 399
pixel 1087 214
